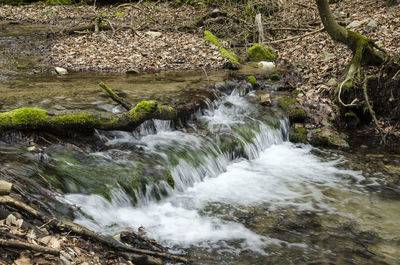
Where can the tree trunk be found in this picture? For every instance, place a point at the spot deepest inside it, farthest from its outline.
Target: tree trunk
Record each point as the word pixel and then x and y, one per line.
pixel 361 46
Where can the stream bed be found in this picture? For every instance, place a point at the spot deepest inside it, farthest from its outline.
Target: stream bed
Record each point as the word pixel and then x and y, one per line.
pixel 225 188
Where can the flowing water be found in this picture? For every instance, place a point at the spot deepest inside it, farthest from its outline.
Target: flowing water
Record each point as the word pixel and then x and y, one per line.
pixel 225 188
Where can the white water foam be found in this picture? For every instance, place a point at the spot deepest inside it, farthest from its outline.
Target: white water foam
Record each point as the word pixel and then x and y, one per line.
pixel 278 175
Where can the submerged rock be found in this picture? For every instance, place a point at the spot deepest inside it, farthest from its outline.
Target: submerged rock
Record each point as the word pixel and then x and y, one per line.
pixel 265 99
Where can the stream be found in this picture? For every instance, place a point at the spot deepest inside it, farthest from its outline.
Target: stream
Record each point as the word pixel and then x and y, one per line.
pixel 225 188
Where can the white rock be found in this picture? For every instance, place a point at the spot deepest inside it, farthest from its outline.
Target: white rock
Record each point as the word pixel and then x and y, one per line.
pixel 356 24
pixel 371 26
pixel 154 34
pixel 266 65
pixel 61 71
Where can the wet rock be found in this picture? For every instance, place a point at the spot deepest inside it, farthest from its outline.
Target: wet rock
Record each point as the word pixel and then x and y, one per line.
pixel 132 71
pixel 265 99
pixel 61 71
pixel 328 137
pixel 298 134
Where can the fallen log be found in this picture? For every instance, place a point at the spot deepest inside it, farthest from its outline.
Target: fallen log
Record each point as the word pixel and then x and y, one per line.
pixel 81 121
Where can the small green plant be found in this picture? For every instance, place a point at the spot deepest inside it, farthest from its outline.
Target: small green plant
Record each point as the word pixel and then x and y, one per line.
pixel 119 15
pixel 104 15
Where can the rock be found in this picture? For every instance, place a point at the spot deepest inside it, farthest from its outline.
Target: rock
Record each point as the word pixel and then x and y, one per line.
pixel 327 56
pixel 61 71
pixel 332 82
pixel 154 34
pixel 371 26
pixel 356 24
pixel 132 71
pixel 265 99
pixel 328 137
pixel 266 65
pixel 257 53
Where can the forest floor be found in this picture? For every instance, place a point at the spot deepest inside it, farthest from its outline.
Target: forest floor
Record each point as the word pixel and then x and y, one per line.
pixel 160 36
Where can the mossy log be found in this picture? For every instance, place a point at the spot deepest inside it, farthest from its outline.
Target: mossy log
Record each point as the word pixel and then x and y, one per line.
pixel 39 119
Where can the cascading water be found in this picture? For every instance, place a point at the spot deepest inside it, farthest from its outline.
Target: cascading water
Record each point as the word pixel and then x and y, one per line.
pixel 228 164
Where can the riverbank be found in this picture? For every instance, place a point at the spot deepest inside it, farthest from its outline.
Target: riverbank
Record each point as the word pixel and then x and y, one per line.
pixel 159 36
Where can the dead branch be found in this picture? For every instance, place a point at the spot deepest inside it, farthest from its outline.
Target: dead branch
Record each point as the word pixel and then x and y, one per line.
pixel 22 245
pixel 125 104
pixel 296 37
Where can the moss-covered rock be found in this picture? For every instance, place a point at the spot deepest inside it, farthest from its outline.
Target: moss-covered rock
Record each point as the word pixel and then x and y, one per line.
pixel 257 53
pixel 297 115
pixel 328 138
pixel 285 102
pixel 275 77
pixel 252 81
pixel 298 135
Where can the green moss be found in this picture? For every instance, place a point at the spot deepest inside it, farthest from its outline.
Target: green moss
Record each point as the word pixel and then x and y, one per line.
pixel 20 117
pixel 328 139
pixel 231 57
pixel 275 77
pixel 168 177
pixel 212 38
pixel 142 109
pixel 75 119
pixel 298 135
pixel 352 119
pixel 297 115
pixel 252 81
pixel 285 102
pixel 233 60
pixel 258 53
pixel 295 92
pixel 22 66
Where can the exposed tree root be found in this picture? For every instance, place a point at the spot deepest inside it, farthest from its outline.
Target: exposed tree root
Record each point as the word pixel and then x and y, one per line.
pixel 372 112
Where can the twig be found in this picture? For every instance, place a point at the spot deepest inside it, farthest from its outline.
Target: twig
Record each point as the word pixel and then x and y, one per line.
pixel 296 37
pixel 23 245
pixel 395 76
pixel 372 112
pixel 45 180
pixel 128 106
pixel 293 29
